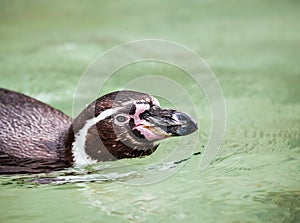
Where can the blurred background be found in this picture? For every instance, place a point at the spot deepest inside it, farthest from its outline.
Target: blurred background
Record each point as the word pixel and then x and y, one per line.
pixel 253 49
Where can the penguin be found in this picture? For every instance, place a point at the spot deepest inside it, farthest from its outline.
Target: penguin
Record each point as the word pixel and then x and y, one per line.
pixel 37 138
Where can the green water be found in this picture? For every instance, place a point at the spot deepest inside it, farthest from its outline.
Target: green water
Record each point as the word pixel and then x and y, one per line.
pixel 253 49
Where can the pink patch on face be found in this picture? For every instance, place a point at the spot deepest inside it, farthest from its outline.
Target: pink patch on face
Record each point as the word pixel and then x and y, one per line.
pixel 142 125
pixel 149 135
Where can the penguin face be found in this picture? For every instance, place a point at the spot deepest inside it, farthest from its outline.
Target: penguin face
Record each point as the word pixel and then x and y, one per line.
pixel 149 123
pixel 136 122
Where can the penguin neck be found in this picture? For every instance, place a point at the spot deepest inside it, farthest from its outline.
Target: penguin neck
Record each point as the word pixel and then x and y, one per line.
pixel 86 138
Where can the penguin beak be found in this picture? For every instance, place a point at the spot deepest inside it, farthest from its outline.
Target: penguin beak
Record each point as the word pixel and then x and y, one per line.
pixel 184 125
pixel 162 123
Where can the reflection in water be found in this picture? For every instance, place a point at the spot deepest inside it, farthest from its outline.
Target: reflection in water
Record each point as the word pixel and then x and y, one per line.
pixel 242 185
pixel 285 204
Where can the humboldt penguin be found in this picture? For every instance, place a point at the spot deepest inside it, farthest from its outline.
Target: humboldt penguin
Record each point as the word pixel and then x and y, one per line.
pixel 36 138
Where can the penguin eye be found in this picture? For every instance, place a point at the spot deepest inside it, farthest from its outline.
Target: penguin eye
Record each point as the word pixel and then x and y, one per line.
pixel 121 118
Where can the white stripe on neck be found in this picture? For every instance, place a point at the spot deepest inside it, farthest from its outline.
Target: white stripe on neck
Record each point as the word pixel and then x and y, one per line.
pixel 78 149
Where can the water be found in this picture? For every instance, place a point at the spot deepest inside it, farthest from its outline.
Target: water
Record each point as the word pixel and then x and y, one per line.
pixel 253 48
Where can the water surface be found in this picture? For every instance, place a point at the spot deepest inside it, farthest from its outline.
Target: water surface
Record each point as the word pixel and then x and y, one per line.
pixel 252 47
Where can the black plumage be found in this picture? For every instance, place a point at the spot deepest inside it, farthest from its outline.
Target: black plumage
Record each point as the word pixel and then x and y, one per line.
pixel 35 137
